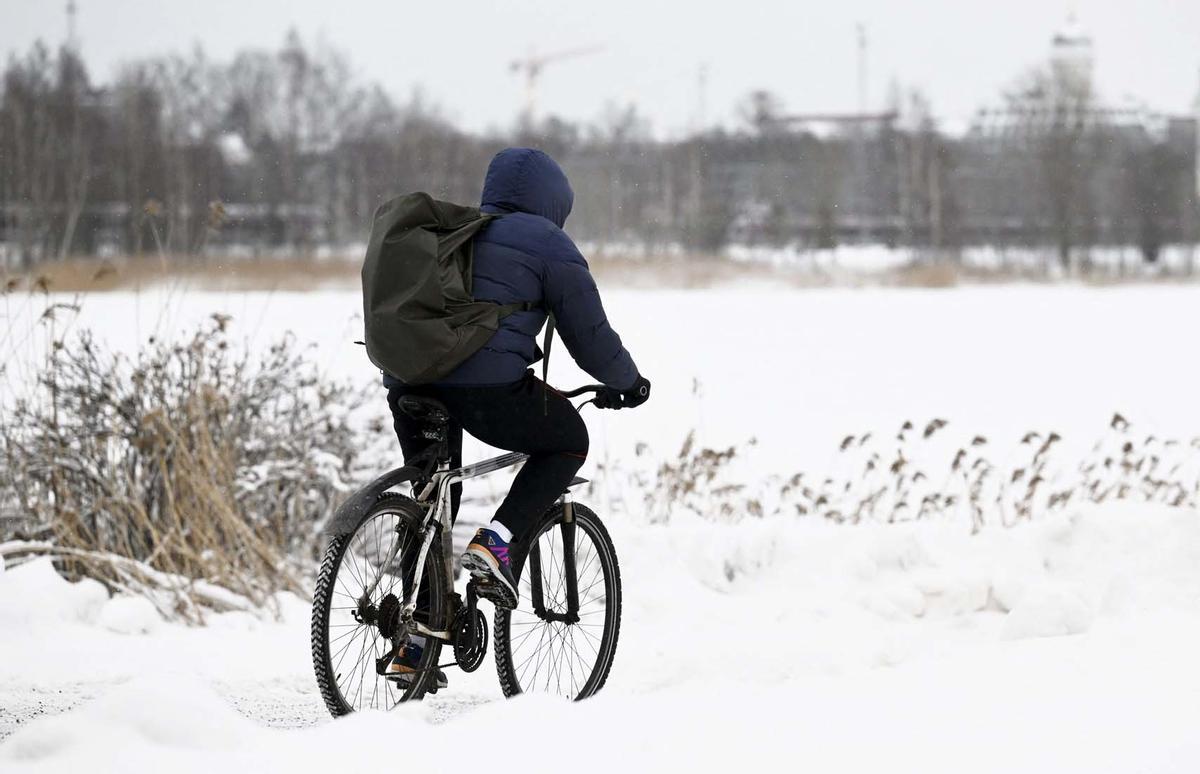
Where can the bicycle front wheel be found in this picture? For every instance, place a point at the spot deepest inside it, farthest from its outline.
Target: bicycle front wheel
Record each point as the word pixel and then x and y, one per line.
pixel 562 637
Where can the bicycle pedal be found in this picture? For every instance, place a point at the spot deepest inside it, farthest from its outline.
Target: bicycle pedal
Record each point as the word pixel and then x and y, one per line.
pixel 493 592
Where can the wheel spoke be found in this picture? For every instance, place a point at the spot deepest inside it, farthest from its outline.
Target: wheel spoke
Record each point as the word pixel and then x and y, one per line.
pixel 584 672
pixel 342 653
pixel 525 664
pixel 592 640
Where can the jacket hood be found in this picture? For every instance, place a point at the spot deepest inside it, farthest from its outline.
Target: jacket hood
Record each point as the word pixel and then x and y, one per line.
pixel 528 180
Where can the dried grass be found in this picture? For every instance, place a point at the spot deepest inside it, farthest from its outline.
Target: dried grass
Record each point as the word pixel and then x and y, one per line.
pixel 690 271
pixel 189 473
pixel 96 275
pixel 919 474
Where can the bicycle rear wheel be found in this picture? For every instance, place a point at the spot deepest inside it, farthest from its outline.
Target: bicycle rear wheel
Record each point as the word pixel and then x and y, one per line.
pixel 351 631
pixel 544 646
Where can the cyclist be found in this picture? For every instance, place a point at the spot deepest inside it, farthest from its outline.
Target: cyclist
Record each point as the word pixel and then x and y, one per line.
pixel 494 395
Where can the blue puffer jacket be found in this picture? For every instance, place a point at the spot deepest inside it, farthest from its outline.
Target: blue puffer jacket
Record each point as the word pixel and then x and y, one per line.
pixel 526 256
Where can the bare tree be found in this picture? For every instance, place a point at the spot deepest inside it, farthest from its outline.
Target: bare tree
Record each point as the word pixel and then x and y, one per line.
pixel 30 138
pixel 77 138
pixel 189 87
pixel 303 152
pixel 136 149
pixel 922 189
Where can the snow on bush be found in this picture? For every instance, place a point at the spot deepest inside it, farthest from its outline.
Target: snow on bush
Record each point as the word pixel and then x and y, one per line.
pixel 189 471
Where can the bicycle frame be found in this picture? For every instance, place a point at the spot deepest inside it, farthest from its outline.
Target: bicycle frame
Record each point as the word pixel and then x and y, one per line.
pixel 435 497
pixel 438 517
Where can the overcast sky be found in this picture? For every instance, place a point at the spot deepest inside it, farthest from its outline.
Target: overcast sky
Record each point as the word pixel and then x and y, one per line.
pixel 959 52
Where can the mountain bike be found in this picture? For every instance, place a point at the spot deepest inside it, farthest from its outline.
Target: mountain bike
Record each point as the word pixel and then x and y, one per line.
pixel 388 574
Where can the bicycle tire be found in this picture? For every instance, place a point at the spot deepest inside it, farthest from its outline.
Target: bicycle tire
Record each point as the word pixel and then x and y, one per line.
pixel 589 523
pixel 324 651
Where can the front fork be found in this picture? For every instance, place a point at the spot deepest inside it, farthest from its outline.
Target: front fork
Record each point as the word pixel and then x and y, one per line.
pixel 567 528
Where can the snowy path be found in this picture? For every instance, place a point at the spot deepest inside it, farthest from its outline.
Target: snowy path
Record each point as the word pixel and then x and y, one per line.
pixel 272 686
pixel 1067 645
pixel 277 704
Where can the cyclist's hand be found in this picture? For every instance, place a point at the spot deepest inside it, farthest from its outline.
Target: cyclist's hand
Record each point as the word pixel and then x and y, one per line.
pixel 608 398
pixel 638 394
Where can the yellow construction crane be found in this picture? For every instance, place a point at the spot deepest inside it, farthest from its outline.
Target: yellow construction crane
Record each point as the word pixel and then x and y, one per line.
pixel 532 66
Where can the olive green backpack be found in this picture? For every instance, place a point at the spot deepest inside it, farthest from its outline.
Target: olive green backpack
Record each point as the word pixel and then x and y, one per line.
pixel 421 321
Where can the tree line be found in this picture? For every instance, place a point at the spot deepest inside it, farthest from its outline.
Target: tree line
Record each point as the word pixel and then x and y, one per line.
pixel 286 152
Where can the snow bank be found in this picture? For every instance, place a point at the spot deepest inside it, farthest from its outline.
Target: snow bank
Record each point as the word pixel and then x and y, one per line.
pixel 1066 645
pixel 130 615
pixel 134 723
pixel 35 596
pixel 47 625
pixel 1041 710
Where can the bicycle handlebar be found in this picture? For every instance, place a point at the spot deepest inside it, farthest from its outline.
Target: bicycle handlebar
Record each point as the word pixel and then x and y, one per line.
pixel 575 393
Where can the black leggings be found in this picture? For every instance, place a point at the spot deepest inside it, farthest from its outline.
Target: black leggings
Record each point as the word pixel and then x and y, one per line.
pixel 525 416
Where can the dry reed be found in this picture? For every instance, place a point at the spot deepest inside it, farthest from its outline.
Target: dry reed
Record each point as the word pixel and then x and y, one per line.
pixel 189 473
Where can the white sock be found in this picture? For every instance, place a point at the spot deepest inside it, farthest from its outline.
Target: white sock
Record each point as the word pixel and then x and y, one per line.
pixel 504 532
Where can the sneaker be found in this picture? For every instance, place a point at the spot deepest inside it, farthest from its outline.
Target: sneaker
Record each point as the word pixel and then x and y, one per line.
pixel 486 558
pixel 403 669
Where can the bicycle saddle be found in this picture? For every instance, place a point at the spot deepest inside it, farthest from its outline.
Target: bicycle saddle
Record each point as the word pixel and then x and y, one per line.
pixel 424 409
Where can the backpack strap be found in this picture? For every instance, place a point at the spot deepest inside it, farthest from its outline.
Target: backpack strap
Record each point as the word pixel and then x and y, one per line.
pixel 547 340
pixel 518 306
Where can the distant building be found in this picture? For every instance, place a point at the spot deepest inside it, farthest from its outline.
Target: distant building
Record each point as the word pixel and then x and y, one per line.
pixel 1072 53
pixel 1055 162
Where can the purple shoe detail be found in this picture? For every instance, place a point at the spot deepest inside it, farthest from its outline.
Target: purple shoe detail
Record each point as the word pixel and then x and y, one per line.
pixel 494 544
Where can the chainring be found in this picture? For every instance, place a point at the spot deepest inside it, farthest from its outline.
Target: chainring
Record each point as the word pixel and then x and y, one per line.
pixel 470 646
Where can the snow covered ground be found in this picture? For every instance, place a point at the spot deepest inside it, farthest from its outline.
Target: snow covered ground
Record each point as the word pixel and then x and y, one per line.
pixel 847 263
pixel 1066 644
pixel 796 369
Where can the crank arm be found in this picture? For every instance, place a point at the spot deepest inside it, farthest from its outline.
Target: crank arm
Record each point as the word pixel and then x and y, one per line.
pixel 421 628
